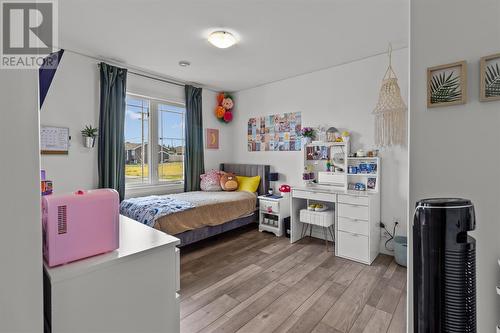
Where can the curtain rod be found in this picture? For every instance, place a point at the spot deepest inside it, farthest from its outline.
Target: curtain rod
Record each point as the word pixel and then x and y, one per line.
pixel 156 78
pixel 139 72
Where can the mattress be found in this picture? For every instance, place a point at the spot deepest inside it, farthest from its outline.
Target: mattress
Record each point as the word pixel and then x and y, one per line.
pixel 211 209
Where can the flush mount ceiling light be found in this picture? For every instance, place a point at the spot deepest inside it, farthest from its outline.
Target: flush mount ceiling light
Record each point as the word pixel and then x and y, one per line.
pixel 184 63
pixel 222 39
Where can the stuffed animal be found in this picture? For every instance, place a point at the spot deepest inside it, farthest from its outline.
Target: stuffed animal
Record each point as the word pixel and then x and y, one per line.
pixel 210 181
pixel 227 103
pixel 219 112
pixel 228 181
pixel 224 108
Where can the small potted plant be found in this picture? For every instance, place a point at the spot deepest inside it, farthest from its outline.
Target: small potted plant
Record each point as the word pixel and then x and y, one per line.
pixel 89 134
pixel 307 135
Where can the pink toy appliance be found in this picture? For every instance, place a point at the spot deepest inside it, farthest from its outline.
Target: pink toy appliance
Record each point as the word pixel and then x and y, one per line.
pixel 79 225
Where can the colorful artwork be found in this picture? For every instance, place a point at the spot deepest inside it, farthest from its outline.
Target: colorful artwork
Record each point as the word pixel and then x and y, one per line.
pixel 278 132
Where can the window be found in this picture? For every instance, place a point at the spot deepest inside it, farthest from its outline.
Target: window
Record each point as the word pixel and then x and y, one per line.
pixel 170 142
pixel 153 120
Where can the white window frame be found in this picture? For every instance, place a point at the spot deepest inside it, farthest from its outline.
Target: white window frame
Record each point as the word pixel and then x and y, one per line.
pixel 154 182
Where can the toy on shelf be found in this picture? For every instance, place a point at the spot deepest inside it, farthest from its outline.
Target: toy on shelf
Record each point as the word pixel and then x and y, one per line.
pixel 345 136
pixel 332 134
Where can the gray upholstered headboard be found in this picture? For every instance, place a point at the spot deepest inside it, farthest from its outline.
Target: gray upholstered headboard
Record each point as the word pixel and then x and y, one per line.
pixel 250 170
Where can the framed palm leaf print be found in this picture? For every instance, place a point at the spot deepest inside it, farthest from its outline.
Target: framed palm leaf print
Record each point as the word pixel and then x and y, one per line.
pixel 490 78
pixel 447 84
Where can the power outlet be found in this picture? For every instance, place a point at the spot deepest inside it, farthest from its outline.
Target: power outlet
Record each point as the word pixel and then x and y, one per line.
pixel 396 220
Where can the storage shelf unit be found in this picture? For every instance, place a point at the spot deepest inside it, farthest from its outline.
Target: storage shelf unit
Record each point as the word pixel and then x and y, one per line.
pixel 318 154
pixel 371 180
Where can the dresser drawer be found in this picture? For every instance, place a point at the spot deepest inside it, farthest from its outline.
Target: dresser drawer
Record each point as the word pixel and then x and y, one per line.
pixel 269 206
pixel 353 211
pixel 353 199
pixel 354 226
pixel 319 196
pixel 353 246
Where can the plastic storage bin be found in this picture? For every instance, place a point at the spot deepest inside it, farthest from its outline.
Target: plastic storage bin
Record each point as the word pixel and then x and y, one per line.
pixel 323 219
pixel 400 249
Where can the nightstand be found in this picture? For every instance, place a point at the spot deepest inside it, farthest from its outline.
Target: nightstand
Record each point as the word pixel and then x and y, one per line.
pixel 272 212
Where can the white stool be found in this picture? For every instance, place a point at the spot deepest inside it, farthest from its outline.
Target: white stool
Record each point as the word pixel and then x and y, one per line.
pixel 325 219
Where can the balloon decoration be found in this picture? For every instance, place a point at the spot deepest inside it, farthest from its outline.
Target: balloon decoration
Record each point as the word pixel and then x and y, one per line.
pixel 224 109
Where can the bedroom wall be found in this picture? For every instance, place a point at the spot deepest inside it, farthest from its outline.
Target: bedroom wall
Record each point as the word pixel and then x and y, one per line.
pixel 73 101
pixel 20 228
pixel 454 151
pixel 344 97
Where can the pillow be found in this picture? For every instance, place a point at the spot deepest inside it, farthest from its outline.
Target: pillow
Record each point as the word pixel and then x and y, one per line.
pixel 210 181
pixel 228 181
pixel 249 184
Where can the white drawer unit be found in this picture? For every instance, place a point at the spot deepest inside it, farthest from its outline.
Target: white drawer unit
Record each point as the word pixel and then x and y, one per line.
pixel 353 211
pixel 355 218
pixel 317 196
pixel 333 178
pixel 355 226
pixel 354 246
pixel 269 206
pixel 358 230
pixel 273 211
pixel 131 289
pixel 353 199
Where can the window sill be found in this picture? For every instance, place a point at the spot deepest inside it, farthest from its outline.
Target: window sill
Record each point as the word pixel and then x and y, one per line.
pixel 152 189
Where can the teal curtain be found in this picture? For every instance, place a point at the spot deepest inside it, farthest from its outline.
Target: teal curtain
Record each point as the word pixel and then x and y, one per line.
pixel 111 139
pixel 194 164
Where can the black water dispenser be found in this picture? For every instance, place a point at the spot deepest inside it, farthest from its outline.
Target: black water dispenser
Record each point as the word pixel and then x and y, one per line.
pixel 444 266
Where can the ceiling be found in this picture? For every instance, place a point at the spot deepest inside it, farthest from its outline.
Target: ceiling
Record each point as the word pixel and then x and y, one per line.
pixel 278 39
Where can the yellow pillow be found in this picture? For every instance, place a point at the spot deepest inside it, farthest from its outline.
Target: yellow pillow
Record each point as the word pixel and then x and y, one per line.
pixel 249 184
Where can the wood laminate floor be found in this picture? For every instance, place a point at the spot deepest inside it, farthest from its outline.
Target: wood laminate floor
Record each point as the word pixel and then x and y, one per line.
pixel 247 281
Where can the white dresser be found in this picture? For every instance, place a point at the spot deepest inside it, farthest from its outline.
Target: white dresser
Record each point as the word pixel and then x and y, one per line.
pixel 358 227
pixel 357 220
pixel 132 289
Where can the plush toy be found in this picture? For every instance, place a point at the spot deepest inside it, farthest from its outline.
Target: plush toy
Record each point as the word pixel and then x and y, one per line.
pixel 210 181
pixel 227 103
pixel 228 181
pixel 228 116
pixel 224 108
pixel 219 112
pixel 220 98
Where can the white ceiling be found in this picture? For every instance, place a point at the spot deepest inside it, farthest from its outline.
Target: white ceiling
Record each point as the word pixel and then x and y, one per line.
pixel 278 38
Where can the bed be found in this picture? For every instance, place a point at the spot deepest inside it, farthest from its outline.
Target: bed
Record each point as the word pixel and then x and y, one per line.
pixel 216 212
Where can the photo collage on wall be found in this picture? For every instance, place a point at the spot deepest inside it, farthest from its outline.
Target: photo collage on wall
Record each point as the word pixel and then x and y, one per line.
pixel 279 132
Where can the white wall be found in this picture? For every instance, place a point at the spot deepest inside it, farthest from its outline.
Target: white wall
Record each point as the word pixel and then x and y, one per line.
pixel 342 96
pixel 454 151
pixel 20 228
pixel 213 157
pixel 73 101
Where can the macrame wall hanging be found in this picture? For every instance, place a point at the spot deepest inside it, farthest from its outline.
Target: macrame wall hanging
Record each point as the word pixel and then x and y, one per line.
pixel 390 113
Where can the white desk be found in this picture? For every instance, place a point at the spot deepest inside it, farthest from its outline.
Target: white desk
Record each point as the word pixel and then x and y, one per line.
pixel 357 218
pixel 131 289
